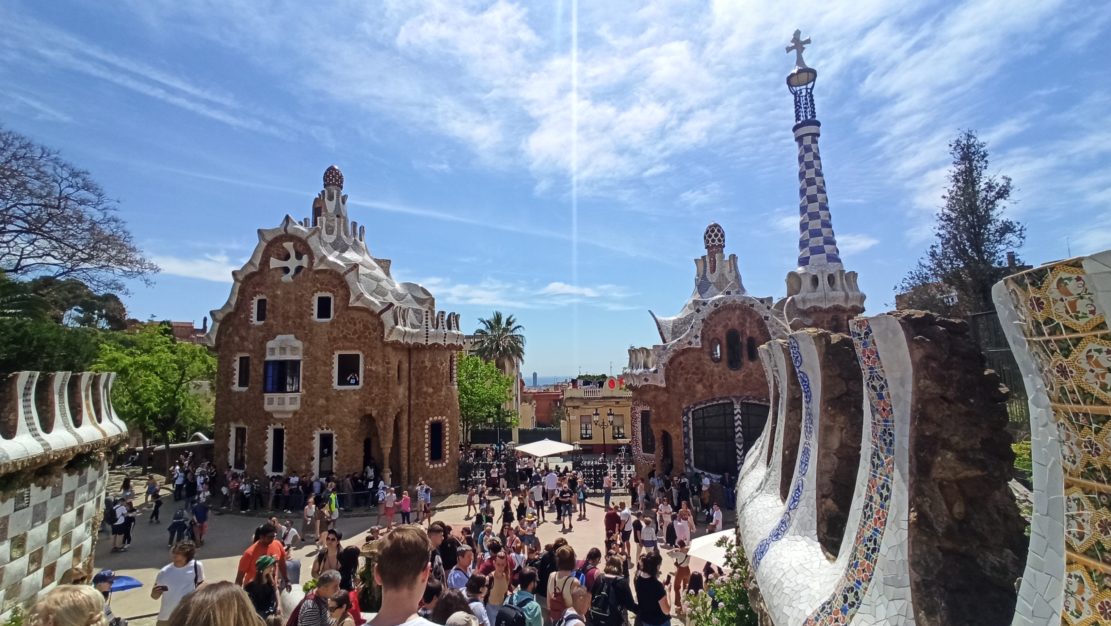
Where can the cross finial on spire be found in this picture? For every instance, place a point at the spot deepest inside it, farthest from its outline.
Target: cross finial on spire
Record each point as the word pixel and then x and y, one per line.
pixel 798 44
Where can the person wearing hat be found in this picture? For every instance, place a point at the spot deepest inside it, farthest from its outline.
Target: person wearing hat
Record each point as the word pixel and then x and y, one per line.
pixel 102 582
pixel 174 581
pixel 264 590
pixel 462 618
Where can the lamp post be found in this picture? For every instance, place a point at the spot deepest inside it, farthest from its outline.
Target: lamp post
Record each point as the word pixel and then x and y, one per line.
pixel 604 425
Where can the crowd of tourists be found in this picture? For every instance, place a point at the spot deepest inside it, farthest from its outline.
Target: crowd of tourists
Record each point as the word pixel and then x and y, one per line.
pixel 411 570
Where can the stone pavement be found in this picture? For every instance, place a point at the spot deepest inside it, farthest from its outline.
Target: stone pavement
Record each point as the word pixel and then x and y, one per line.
pixel 230 533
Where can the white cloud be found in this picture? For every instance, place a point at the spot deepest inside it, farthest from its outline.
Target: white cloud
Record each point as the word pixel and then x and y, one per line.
pixel 526 295
pixel 215 267
pixel 563 289
pixel 702 195
pixel 851 243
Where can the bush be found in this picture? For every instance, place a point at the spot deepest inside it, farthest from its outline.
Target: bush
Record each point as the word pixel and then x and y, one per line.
pixel 1023 461
pixel 726 601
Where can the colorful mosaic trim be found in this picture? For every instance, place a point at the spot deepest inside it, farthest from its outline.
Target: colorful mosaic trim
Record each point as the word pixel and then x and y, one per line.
pixel 1070 345
pixel 428 443
pixel 638 449
pixel 850 590
pixel 803 463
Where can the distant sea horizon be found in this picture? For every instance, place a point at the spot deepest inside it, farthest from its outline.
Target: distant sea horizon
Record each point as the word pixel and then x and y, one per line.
pixel 544 381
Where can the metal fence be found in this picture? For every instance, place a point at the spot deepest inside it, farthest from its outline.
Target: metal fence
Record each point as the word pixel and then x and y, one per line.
pixel 988 334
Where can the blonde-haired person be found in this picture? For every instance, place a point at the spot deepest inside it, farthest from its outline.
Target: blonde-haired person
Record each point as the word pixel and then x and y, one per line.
pixel 216 604
pixel 69 605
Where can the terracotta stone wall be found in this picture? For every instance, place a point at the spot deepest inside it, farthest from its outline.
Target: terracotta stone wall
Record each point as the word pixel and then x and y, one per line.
pixel 967 546
pixel 833 319
pixel 693 377
pixel 839 433
pixel 394 392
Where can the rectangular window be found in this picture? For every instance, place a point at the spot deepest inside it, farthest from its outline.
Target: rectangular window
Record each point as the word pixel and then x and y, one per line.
pixel 753 419
pixel 647 438
pixel 277 451
pixel 324 307
pixel 436 441
pixel 282 376
pixel 239 448
pixel 260 310
pixel 618 427
pixel 586 427
pixel 243 372
pixel 349 369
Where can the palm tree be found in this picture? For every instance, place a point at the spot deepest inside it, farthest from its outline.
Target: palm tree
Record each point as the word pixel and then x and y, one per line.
pixel 500 341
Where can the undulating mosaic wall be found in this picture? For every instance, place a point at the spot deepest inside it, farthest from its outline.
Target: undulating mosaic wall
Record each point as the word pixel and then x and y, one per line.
pixel 1055 318
pixel 55 428
pixel 928 532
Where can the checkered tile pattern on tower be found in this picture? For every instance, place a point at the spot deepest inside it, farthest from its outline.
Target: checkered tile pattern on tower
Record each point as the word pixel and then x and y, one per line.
pixel 817 245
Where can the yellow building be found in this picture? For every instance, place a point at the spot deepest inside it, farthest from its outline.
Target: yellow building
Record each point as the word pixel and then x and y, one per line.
pixel 597 418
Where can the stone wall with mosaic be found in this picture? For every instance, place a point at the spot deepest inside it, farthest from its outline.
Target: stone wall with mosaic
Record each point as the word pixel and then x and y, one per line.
pixel 932 533
pixel 1055 318
pixel 55 428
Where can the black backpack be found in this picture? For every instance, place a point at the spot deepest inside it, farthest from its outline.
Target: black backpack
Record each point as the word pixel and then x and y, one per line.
pixel 512 614
pixel 605 609
pixel 545 568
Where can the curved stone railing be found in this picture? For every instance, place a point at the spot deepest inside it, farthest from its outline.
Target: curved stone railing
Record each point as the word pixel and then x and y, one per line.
pixel 928 532
pixel 1055 318
pixel 48 415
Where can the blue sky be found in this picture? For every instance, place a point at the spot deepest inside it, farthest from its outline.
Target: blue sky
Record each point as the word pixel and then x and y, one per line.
pixel 554 162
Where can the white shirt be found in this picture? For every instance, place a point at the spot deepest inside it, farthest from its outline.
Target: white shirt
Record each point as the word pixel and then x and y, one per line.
pixel 537 493
pixel 572 622
pixel 551 481
pixel 648 533
pixel 121 515
pixel 716 523
pixel 683 531
pixel 416 621
pixel 627 519
pixel 607 482
pixel 180 582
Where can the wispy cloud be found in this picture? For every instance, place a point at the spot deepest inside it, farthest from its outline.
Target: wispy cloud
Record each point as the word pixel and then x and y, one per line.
pixel 527 295
pixel 215 267
pixel 852 243
pixel 14 101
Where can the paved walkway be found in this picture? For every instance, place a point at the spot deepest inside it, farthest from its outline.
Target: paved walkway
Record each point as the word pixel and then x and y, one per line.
pixel 230 533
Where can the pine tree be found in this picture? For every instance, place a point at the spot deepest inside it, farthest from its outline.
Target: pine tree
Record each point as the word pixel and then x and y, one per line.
pixel 972 237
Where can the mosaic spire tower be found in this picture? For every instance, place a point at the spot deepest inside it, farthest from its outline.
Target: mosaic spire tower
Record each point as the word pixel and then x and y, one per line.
pixel 820 293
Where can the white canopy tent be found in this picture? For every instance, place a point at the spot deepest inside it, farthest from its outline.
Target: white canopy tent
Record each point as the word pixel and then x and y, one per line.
pixel 706 548
pixel 545 447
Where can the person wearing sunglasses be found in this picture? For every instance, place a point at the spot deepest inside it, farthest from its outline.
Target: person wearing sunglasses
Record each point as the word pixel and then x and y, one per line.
pixel 339 610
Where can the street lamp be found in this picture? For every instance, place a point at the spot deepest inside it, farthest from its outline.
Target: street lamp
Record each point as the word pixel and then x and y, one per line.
pixel 604 425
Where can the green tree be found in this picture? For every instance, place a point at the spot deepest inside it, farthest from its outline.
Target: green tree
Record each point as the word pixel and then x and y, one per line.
pixel 73 303
pixel 972 236
pixel 18 301
pixel 163 384
pixel 42 345
pixel 499 340
pixel 483 391
pixel 55 220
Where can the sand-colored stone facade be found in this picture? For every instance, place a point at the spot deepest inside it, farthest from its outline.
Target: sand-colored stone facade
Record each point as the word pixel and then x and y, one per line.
pixel 394 401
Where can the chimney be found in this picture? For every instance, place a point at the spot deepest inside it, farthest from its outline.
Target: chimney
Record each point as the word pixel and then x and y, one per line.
pixel 1011 259
pixel 204 324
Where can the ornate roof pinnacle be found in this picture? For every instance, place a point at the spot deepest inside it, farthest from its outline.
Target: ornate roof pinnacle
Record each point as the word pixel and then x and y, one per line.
pixel 714 237
pixel 333 177
pixel 798 44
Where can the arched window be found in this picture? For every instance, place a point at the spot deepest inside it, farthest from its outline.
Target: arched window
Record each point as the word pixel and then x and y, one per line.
pixel 750 344
pixel 435 441
pixel 715 351
pixel 733 351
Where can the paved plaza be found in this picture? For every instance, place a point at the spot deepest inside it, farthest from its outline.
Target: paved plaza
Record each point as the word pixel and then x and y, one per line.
pixel 230 533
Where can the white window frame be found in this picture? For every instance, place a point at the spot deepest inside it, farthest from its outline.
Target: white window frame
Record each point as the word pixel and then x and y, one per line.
pixel 231 445
pixel 315 306
pixel 270 470
pixel 235 372
pixel 335 370
pixel 254 310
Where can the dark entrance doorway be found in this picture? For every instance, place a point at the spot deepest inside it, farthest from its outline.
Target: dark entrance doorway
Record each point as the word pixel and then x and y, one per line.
pixel 368 453
pixel 325 466
pixel 666 459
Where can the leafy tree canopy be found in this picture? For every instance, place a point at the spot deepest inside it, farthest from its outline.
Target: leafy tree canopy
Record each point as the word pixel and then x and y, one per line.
pixel 972 237
pixel 483 391
pixel 73 303
pixel 40 344
pixel 55 220
pixel 163 385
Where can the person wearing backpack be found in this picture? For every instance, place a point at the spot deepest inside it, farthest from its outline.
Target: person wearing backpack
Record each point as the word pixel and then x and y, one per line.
pixel 521 608
pixel 612 599
pixel 587 570
pixel 562 583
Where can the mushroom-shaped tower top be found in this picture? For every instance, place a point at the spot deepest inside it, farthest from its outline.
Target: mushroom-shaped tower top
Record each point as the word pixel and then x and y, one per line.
pixel 333 177
pixel 714 237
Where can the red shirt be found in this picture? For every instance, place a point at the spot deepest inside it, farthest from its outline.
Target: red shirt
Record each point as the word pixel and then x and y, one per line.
pixel 252 554
pixel 611 521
